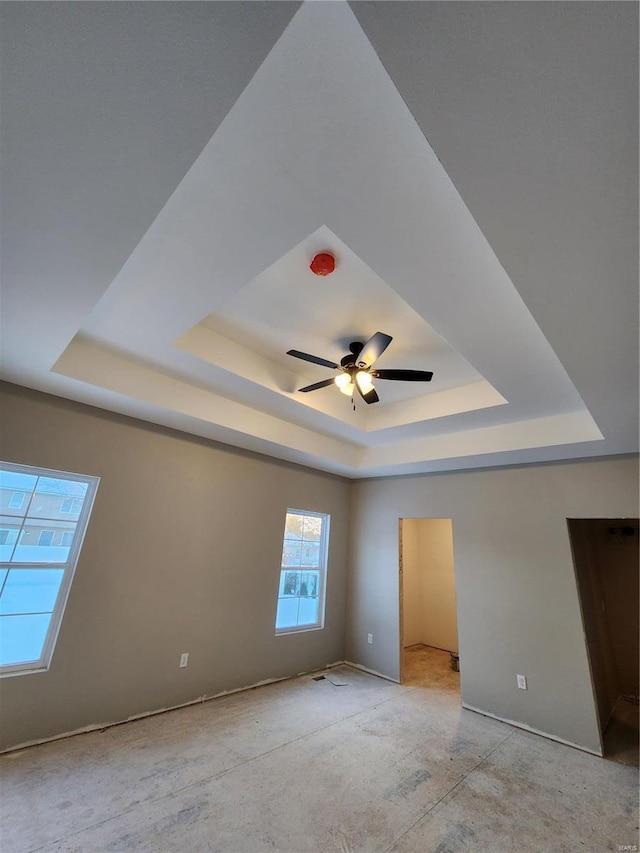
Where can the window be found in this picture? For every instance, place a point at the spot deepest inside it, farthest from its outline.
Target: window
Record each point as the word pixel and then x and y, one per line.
pixel 38 556
pixel 16 500
pixel 302 572
pixel 71 505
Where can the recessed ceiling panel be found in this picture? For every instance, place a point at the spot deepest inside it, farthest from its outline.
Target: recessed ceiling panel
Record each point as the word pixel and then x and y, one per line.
pixel 289 307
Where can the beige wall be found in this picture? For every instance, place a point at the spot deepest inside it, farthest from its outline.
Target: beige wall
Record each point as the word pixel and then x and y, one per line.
pixel 182 554
pixel 183 549
pixel 429 599
pixel 518 607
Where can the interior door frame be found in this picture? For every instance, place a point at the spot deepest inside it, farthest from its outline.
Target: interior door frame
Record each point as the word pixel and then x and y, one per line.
pixel 401 598
pixel 401 521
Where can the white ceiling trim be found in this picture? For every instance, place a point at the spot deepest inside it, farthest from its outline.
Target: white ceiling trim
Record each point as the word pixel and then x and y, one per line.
pixel 83 360
pixel 574 428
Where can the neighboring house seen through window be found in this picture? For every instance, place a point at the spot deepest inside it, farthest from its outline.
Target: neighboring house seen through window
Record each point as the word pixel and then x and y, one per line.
pixel 303 570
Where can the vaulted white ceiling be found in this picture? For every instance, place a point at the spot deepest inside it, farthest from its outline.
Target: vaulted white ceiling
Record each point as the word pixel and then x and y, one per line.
pixel 170 170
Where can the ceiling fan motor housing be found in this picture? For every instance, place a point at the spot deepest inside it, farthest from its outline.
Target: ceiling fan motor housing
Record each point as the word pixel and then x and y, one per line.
pixel 356 348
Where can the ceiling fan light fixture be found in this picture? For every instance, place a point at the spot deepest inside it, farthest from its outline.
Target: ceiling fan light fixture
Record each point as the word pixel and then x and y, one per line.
pixel 364 380
pixel 355 369
pixel 345 383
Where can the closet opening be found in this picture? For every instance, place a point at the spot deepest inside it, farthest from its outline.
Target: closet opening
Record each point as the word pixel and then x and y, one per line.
pixel 428 616
pixel 605 558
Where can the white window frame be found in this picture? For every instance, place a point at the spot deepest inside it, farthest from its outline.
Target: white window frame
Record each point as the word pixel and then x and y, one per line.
pixel 69 566
pixel 321 568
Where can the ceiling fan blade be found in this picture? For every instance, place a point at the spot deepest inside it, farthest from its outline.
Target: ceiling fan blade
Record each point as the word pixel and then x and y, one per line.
pixel 404 375
pixel 314 359
pixel 370 396
pixel 373 348
pixel 316 385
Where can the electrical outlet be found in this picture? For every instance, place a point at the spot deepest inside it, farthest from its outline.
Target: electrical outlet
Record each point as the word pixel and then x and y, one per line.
pixel 370 638
pixel 522 682
pixel 184 659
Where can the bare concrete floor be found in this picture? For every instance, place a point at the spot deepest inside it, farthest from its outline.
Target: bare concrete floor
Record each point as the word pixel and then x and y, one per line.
pixel 306 766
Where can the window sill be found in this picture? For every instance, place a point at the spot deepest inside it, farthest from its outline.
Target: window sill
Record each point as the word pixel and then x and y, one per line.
pixel 30 671
pixel 303 629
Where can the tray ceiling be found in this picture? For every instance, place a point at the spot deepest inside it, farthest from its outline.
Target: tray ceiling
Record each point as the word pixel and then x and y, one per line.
pixel 170 287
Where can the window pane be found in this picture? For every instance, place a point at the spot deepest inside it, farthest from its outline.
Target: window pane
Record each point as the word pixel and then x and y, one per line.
pixel 9 529
pixel 30 591
pixel 289 583
pixel 291 553
pixel 57 498
pixel 287 613
pixel 22 638
pixel 15 491
pixel 309 583
pixel 41 542
pixel 308 611
pixel 310 554
pixel 293 526
pixel 312 528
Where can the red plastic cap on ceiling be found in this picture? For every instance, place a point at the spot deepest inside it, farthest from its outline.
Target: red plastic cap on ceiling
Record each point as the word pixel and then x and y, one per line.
pixel 323 264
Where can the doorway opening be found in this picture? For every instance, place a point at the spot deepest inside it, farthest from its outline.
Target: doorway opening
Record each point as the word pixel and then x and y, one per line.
pixel 605 558
pixel 429 654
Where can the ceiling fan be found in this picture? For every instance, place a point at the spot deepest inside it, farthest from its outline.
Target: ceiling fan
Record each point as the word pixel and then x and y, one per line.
pixel 355 369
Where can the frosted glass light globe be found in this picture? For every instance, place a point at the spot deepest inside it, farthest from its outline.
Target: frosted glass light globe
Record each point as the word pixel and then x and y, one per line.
pixel 365 383
pixel 344 383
